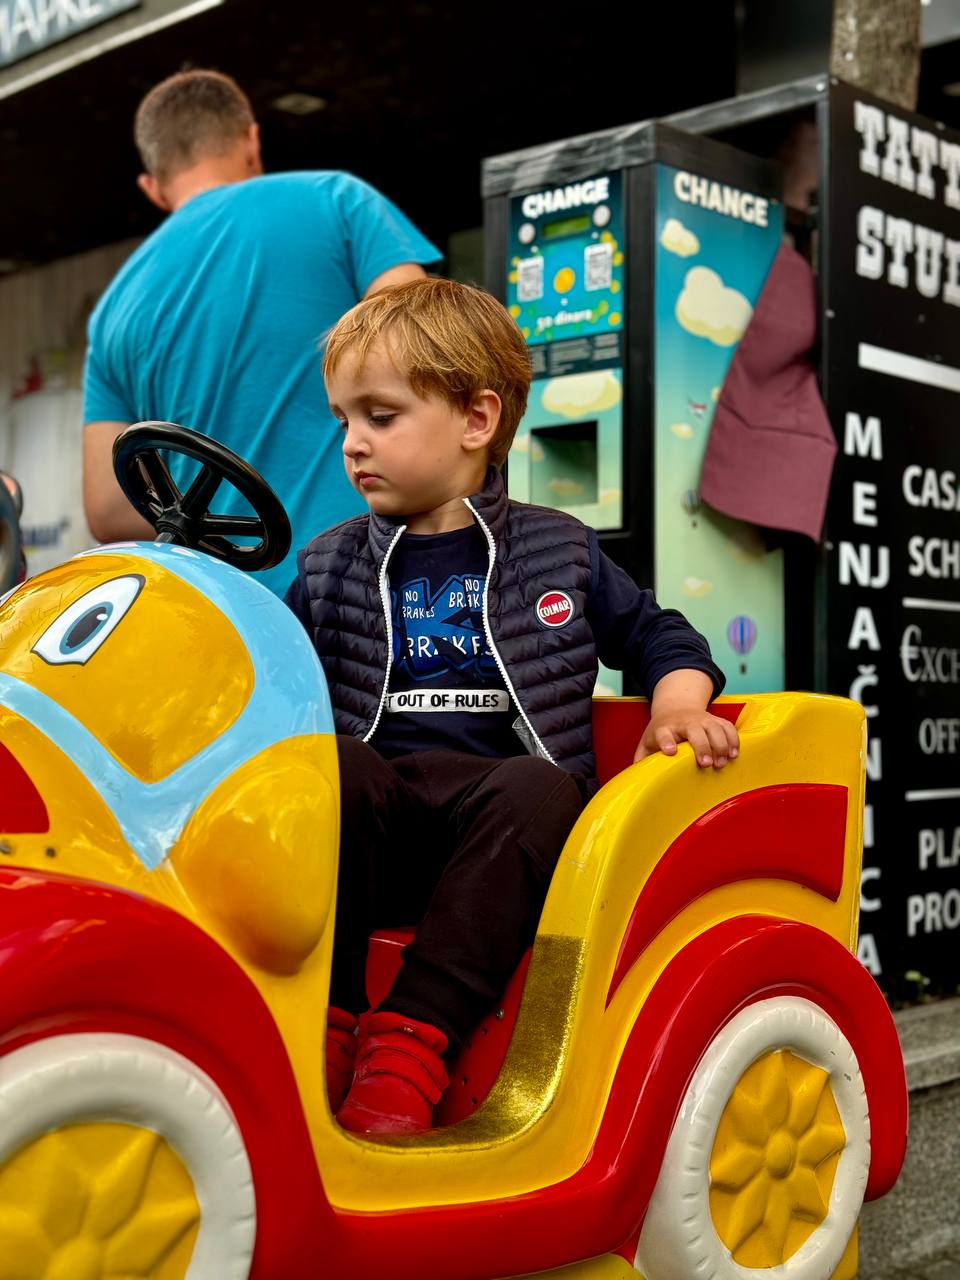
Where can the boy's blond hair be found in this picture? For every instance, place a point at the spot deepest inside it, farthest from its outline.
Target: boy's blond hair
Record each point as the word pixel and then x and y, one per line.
pixel 449 340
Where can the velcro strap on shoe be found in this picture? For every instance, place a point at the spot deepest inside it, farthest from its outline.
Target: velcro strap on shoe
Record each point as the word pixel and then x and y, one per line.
pixel 378 1022
pixel 398 1054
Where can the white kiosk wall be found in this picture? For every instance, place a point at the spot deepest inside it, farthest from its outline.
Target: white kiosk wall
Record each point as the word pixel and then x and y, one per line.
pixel 43 451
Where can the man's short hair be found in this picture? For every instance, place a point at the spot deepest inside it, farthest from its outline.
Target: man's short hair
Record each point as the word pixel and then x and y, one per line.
pixel 449 340
pixel 188 117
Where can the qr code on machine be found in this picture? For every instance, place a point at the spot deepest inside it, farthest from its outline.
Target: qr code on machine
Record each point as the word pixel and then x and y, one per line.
pixel 529 279
pixel 598 266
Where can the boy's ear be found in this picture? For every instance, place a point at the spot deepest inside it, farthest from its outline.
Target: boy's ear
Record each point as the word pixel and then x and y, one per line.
pixel 483 418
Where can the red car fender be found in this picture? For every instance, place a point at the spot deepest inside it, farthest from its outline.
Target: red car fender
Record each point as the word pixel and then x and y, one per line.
pixel 708 983
pixel 724 970
pixel 78 956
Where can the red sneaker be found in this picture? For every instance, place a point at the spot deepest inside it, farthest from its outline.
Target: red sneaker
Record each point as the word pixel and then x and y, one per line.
pixel 341 1054
pixel 399 1077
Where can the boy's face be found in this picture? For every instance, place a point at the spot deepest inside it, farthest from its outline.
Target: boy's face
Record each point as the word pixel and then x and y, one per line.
pixel 409 456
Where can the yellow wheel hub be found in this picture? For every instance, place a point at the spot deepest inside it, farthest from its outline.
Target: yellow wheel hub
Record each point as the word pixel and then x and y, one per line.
pixel 774 1159
pixel 95 1201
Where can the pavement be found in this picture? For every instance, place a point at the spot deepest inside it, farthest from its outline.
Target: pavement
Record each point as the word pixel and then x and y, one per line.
pixel 944 1266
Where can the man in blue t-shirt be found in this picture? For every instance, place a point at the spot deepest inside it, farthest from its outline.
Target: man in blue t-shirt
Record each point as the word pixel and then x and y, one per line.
pixel 214 322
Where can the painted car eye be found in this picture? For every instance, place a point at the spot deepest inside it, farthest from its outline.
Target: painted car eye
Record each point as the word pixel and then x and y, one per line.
pixel 81 629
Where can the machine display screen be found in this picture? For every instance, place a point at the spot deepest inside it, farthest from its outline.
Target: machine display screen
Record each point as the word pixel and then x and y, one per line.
pixel 566 286
pixel 566 272
pixel 565 227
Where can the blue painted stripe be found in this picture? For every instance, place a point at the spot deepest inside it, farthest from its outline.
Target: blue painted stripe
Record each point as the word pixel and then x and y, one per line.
pixel 150 815
pixel 289 699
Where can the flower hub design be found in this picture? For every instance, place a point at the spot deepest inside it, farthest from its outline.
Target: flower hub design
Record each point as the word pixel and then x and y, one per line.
pixel 774 1159
pixel 780 1154
pixel 98 1200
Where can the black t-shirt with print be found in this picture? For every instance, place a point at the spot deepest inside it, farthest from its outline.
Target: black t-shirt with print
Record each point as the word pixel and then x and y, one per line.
pixel 445 687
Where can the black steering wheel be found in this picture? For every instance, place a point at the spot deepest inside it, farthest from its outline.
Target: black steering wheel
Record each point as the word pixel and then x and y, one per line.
pixel 10 546
pixel 185 518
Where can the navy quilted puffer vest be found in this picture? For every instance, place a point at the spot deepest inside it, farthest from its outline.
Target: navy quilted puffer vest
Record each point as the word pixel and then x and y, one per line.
pixel 550 671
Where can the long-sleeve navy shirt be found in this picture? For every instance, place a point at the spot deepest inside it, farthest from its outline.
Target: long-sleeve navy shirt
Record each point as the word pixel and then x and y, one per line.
pixel 445 687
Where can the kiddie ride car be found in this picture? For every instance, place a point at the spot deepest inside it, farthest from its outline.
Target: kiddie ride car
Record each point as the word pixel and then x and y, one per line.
pixel 693 1078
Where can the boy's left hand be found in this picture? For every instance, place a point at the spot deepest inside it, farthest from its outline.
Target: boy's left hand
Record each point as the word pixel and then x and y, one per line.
pixel 715 742
pixel 678 714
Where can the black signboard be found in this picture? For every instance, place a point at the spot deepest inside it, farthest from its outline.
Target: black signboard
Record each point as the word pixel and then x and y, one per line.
pixel 889 602
pixel 26 26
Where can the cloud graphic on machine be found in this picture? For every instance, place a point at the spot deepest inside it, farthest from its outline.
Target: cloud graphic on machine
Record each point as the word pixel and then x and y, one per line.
pixel 709 309
pixel 579 394
pixel 678 239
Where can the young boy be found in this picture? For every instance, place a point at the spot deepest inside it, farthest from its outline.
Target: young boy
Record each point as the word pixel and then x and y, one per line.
pixel 459 632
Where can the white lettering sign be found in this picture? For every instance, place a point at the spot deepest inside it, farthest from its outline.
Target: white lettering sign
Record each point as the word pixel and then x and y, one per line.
pixel 933 912
pixel 718 197
pixel 571 196
pixel 908 154
pixel 924 664
pixel 933 845
pixel 939 737
pixel 27 26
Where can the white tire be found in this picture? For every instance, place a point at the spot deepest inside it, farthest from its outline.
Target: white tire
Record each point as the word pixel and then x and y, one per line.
pixel 70 1079
pixel 679 1240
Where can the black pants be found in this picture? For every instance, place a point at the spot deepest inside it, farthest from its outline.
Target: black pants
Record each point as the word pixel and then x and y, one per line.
pixel 462 847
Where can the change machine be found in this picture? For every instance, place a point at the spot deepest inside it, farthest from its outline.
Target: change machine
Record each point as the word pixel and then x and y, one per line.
pixel 632 260
pixel 882 623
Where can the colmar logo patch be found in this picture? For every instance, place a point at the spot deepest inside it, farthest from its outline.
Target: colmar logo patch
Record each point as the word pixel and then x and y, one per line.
pixel 554 608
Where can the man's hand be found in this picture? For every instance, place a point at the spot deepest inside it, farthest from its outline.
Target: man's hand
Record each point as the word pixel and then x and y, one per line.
pixel 678 714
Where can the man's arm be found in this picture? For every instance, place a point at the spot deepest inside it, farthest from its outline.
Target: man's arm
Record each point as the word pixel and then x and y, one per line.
pixel 396 275
pixel 110 516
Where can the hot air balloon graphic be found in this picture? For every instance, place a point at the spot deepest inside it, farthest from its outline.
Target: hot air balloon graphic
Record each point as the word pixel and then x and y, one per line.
pixel 691 502
pixel 741 636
